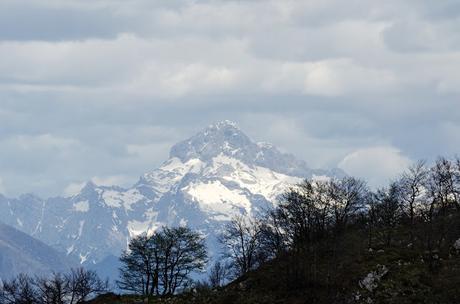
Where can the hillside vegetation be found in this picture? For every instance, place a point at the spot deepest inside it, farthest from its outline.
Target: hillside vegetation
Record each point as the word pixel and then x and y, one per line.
pixel 382 275
pixel 337 242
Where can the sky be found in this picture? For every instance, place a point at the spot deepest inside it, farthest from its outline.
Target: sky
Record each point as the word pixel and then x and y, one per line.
pixel 100 90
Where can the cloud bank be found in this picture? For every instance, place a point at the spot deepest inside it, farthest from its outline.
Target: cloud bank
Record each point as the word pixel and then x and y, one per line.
pixel 101 89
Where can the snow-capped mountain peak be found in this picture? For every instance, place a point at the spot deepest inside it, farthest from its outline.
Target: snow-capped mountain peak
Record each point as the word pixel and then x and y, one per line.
pixel 208 177
pixel 227 139
pixel 223 137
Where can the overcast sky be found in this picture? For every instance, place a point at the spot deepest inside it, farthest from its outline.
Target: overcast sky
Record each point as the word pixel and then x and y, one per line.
pixel 101 89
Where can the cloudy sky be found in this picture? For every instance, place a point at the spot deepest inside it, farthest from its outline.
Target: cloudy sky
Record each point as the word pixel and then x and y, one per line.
pixel 101 89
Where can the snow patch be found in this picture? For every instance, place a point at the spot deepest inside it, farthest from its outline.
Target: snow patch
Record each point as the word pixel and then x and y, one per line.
pixel 215 197
pixel 258 180
pixel 183 222
pixel 136 228
pixel 119 199
pixel 70 249
pixel 172 172
pixel 82 206
pixel 83 258
pixel 321 178
pixel 80 228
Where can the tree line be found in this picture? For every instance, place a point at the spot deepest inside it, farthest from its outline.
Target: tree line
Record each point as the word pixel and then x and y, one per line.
pixel 317 222
pixel 74 287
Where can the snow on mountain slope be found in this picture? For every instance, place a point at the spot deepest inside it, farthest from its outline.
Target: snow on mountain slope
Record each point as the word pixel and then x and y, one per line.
pixel 207 178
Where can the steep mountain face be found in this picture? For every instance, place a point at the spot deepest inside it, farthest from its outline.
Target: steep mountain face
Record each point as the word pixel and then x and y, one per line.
pixel 20 253
pixel 208 178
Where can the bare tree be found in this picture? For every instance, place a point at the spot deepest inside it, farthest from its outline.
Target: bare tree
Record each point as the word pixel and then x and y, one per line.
pixel 218 274
pixel 296 214
pixel 240 241
pixel 136 274
pixel 82 284
pixel 347 198
pixel 72 288
pixel 52 290
pixel 443 184
pixel 272 238
pixel 388 211
pixel 161 264
pixel 457 175
pixel 19 290
pixel 184 251
pixel 412 189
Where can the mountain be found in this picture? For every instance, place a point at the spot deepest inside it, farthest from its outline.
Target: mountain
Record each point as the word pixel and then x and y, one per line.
pixel 20 253
pixel 208 178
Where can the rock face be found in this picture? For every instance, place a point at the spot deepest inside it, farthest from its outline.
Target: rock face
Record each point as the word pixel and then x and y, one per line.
pixel 457 245
pixel 20 253
pixel 208 178
pixel 370 282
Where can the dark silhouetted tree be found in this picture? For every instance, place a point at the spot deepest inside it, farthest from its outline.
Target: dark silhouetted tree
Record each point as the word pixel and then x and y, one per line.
pixel 241 243
pixel 218 274
pixel 81 284
pixel 161 264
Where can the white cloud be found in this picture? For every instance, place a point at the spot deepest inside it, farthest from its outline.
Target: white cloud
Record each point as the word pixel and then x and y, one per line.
pixel 377 165
pixel 144 67
pixel 41 142
pixel 343 76
pixel 179 80
pixel 113 180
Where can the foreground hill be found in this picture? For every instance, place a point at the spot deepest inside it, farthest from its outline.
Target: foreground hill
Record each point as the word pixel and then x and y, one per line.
pixel 20 253
pixel 391 275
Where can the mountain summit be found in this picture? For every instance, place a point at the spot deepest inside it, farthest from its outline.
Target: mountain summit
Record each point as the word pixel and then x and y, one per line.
pixel 225 138
pixel 208 178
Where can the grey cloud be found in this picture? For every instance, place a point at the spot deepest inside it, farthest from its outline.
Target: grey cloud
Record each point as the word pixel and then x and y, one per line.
pixel 421 36
pixel 31 20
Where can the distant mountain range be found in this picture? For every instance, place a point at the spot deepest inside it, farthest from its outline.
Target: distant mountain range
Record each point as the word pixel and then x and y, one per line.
pixel 20 253
pixel 208 178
